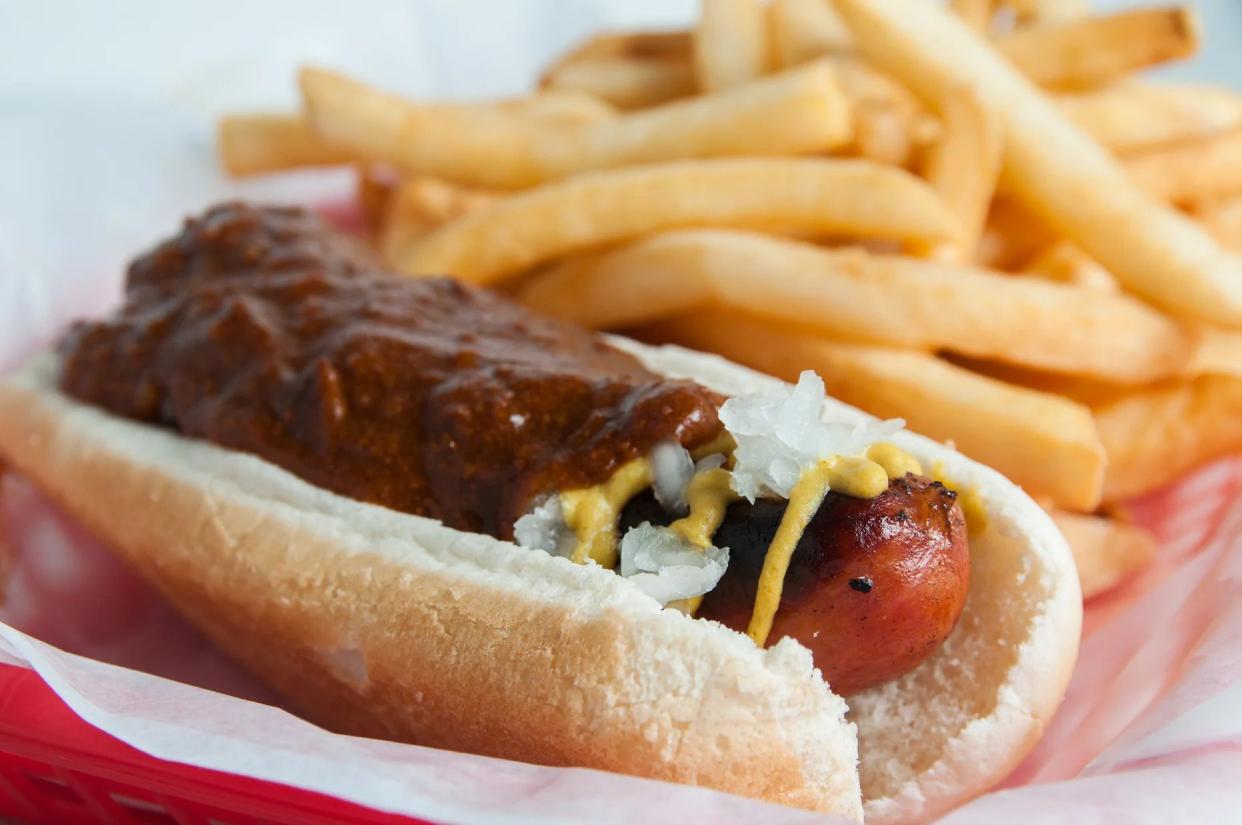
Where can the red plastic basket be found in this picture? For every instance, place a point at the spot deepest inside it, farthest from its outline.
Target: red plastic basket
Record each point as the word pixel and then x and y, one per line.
pixel 56 768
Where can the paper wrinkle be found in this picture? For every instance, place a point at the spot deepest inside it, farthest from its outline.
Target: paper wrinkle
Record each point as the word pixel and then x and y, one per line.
pixel 100 158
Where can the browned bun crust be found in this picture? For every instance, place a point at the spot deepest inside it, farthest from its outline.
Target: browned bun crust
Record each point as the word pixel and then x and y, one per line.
pixel 384 624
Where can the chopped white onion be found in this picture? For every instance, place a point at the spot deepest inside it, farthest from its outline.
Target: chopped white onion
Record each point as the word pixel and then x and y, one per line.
pixel 667 567
pixel 780 435
pixel 671 471
pixel 709 462
pixel 544 528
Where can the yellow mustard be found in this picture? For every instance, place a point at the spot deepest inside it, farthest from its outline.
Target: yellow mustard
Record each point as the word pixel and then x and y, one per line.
pixel 708 495
pixel 968 497
pixel 593 513
pixel 895 461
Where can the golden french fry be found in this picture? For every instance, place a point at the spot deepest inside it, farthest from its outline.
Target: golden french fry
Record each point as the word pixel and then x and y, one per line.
pixel 420 205
pixel 626 82
pixel 1184 171
pixel 481 145
pixel 862 82
pixel 642 45
pixel 890 124
pixel 1065 263
pixel 730 43
pixel 866 298
pixel 803 30
pixel 373 190
pixel 1044 11
pixel 881 134
pixel 1045 443
pixel 1213 352
pixel 559 107
pixel 975 13
pixel 1216 351
pixel 964 165
pixel 1056 170
pixel 1130 115
pixel 1012 237
pixel 809 196
pixel 1106 551
pixel 1154 435
pixel 1223 218
pixel 796 112
pixel 629 70
pixel 1092 51
pixel 1089 391
pixel 259 143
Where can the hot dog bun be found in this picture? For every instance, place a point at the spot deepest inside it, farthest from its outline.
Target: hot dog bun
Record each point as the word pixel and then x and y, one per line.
pixel 390 625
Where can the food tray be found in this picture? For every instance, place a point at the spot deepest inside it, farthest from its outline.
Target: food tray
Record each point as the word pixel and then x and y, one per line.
pixel 57 769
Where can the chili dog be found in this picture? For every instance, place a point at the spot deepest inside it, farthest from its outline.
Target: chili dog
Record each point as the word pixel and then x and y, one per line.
pixel 342 461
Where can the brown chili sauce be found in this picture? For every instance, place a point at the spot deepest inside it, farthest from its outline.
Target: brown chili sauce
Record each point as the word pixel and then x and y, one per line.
pixel 261 330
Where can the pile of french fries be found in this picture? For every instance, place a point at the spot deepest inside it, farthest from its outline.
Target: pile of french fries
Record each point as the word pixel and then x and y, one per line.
pixel 970 215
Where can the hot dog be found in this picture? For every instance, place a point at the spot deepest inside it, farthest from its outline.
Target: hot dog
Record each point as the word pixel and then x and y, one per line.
pixel 260 332
pixel 873 588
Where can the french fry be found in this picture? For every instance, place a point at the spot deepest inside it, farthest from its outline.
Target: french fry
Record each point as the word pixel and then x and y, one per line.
pixel 420 205
pixel 630 70
pixel 730 44
pixel 1216 351
pixel 881 134
pixel 374 191
pixel 964 165
pixel 1045 443
pixel 1106 551
pixel 866 298
pixel 625 82
pixel 1043 11
pixel 1223 218
pixel 796 112
pixel 260 143
pixel 1155 435
pixel 560 107
pixel 1213 352
pixel 1127 116
pixel 1012 237
pixel 1188 170
pixel 803 30
pixel 1065 263
pixel 1089 391
pixel 890 124
pixel 1092 51
pixel 975 13
pixel 817 197
pixel 643 45
pixel 1055 169
pixel 479 145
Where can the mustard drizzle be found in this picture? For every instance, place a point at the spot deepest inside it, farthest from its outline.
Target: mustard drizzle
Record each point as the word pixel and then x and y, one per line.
pixel 593 513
